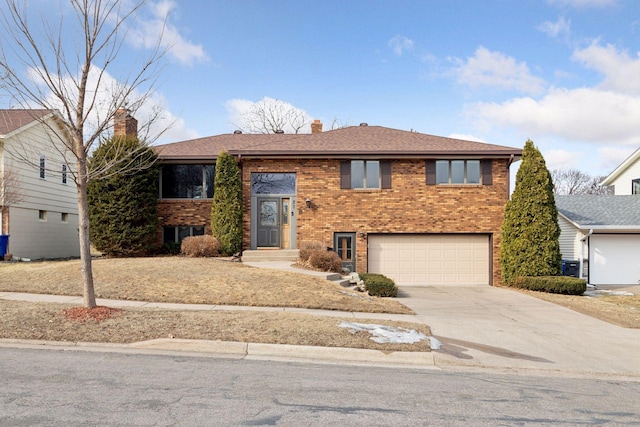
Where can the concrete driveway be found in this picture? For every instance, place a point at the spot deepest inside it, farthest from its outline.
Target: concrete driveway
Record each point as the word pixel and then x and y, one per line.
pixel 501 328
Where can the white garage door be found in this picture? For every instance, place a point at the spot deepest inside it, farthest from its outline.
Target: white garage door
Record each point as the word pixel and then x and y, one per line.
pixel 614 259
pixel 431 259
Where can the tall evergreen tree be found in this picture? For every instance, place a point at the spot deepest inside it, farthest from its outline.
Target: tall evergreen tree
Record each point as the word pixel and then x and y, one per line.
pixel 530 232
pixel 226 211
pixel 123 206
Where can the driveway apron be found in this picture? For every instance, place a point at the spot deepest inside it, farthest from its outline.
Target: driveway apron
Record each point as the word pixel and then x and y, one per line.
pixel 488 326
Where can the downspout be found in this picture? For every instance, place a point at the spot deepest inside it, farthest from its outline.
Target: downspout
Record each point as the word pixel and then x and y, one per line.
pixel 584 240
pixel 511 158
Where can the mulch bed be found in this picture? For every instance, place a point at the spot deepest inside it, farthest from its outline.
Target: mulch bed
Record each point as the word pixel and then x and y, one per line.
pixel 98 313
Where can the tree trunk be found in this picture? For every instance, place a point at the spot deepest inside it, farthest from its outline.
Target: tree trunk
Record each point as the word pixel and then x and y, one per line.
pixel 85 242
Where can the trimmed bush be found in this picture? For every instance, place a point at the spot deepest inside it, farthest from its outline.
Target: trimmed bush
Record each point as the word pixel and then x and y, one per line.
pixel 552 284
pixel 325 260
pixel 200 246
pixel 226 209
pixel 308 247
pixel 379 285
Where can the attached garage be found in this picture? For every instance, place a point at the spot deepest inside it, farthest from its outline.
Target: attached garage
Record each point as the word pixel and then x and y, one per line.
pixel 614 259
pixel 431 259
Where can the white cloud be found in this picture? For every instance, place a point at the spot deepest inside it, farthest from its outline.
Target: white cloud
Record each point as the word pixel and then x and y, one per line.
pixel 555 29
pixel 584 3
pixel 586 115
pixel 495 69
pixel 147 31
pixel 400 44
pixel 562 159
pixel 611 157
pixel 466 137
pixel 267 115
pixel 621 72
pixel 151 109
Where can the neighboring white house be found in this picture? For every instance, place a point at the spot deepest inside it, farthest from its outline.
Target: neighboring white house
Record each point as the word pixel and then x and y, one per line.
pixel 626 177
pixel 603 234
pixel 43 223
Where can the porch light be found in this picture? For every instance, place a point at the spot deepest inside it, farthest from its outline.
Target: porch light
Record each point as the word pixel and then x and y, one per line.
pixel 308 202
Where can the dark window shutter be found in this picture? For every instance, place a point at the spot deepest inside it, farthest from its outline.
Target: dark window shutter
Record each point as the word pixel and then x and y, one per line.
pixel 345 174
pixel 487 178
pixel 431 172
pixel 385 173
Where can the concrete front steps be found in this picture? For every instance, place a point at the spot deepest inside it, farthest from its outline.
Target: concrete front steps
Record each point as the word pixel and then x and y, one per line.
pixel 283 258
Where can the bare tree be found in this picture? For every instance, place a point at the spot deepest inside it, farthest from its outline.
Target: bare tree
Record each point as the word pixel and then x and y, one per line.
pixel 271 116
pixel 573 181
pixel 63 64
pixel 10 190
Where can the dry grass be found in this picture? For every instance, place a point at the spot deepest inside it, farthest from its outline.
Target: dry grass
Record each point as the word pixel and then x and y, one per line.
pixel 191 281
pixel 47 321
pixel 620 310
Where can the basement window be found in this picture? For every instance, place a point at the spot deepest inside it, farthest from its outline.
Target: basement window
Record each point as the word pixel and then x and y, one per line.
pixel 177 234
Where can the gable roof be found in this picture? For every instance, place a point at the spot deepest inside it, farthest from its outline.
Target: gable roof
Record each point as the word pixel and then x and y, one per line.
pixel 362 141
pixel 15 119
pixel 603 213
pixel 632 159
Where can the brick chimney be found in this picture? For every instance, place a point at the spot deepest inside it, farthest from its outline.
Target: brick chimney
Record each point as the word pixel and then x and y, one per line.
pixel 124 124
pixel 316 126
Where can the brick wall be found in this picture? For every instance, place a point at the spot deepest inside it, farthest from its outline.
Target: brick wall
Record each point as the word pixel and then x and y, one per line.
pixel 184 212
pixel 410 206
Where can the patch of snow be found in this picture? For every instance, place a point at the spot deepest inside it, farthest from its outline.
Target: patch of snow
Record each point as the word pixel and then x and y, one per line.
pixel 357 296
pixel 383 334
pixel 434 343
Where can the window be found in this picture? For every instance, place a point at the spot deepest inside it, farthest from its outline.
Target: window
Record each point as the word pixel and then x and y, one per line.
pixel 42 215
pixel 64 174
pixel 365 174
pixel 177 234
pixel 42 167
pixel 273 183
pixel 187 181
pixel 635 186
pixel 64 217
pixel 459 172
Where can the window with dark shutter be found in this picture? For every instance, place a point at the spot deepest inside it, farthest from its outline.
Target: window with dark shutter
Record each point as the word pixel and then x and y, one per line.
pixel 385 174
pixel 487 177
pixel 431 172
pixel 345 174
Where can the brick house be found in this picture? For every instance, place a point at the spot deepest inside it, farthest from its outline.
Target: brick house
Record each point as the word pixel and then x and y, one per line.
pixel 421 209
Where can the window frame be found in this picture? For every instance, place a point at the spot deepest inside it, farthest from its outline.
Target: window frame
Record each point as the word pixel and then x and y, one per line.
pixel 176 232
pixel 43 167
pixel 635 186
pixel 433 169
pixel 383 174
pixel 206 188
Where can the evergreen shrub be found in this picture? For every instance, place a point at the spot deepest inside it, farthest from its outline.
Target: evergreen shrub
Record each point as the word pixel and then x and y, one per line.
pixel 379 285
pixel 566 285
pixel 226 210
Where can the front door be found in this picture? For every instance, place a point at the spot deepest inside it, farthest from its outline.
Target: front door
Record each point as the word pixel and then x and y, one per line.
pixel 269 222
pixel 345 245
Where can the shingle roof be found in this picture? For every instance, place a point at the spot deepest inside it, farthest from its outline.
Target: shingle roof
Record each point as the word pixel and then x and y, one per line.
pixel 354 140
pixel 14 119
pixel 606 211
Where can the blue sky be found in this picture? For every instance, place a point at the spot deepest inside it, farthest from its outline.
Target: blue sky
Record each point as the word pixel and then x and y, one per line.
pixel 564 73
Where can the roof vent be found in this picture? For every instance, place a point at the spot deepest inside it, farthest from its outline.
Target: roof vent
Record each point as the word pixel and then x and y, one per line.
pixel 279 131
pixel 364 124
pixel 237 132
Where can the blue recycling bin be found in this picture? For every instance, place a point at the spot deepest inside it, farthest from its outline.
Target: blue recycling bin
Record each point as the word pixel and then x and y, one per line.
pixel 4 242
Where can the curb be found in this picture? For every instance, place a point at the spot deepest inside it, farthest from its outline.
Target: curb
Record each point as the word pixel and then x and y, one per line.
pixel 240 350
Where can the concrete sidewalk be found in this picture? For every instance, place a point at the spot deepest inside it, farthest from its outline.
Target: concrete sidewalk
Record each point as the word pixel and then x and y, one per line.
pixel 480 327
